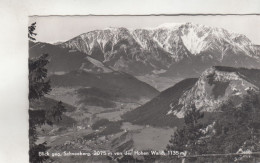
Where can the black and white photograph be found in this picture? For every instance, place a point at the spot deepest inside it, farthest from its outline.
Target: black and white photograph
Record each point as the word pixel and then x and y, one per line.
pixel 144 88
pixel 112 81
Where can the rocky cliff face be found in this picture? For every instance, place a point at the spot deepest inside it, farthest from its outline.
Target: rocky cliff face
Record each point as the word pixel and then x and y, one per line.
pixel 215 86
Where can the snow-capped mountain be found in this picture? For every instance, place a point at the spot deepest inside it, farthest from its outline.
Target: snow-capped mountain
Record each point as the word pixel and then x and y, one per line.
pixel 169 47
pixel 216 86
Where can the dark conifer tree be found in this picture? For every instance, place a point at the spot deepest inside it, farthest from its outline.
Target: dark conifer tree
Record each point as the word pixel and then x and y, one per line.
pixel 187 139
pixel 39 85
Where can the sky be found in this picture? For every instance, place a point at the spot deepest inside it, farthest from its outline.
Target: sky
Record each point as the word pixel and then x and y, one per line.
pixel 62 28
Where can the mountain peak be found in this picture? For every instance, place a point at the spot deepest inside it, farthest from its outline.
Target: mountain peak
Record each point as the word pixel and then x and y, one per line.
pixel 170 25
pixel 215 86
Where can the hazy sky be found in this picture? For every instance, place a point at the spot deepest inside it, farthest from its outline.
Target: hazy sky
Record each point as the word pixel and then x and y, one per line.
pixel 62 28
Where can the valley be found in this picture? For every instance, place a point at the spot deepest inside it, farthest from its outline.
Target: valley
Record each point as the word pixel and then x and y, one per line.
pixel 94 102
pixel 77 132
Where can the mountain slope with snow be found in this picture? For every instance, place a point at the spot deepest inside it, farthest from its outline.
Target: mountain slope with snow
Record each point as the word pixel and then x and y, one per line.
pixel 167 47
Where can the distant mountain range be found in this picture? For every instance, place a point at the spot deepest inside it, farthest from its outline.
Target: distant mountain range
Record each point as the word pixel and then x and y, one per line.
pixel 182 49
pixel 215 87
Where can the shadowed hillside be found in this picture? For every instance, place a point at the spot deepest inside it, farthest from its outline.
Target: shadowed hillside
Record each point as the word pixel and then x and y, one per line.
pixel 117 84
pixel 61 60
pixel 155 111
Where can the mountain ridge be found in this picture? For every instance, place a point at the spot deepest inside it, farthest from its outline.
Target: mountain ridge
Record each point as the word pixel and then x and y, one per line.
pixel 118 84
pixel 165 46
